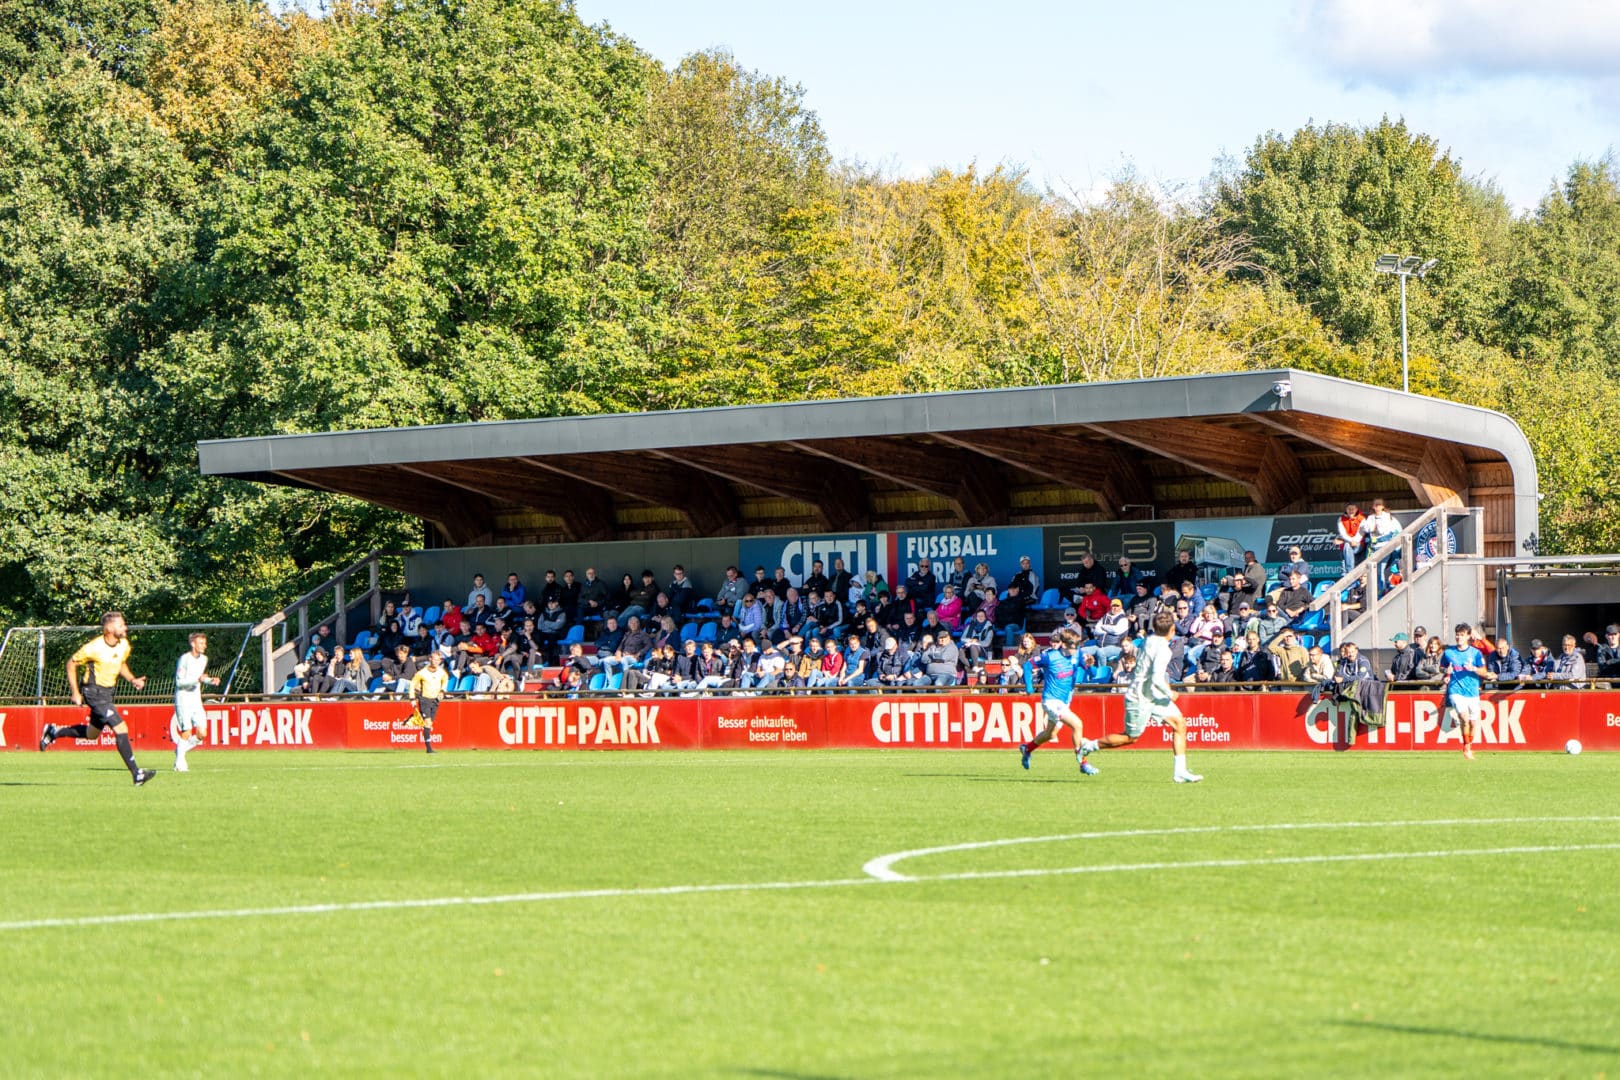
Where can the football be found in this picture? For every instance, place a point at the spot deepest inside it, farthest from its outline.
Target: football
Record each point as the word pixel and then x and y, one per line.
pixel 1573 746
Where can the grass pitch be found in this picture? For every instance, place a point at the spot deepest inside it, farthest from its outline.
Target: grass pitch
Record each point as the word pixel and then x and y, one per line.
pixel 1498 964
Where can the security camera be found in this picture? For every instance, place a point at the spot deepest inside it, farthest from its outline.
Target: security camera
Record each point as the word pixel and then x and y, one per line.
pixel 1283 388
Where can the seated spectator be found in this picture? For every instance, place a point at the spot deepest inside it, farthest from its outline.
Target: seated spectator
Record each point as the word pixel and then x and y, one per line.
pixel 352 676
pixel 549 588
pixel 979 587
pixel 744 673
pixel 799 664
pixel 726 631
pixel 1225 670
pixel 666 633
pixel 1126 578
pixel 663 609
pixel 1108 634
pixel 714 668
pixel 689 666
pixel 780 584
pixel 874 587
pixel 636 642
pixel 841 581
pixel 1028 650
pixel 1141 609
pixel 1294 600
pixel 1318 668
pixel 1539 664
pixel 390 613
pixel 816 581
pixel 1235 591
pixel 957 578
pixel 422 641
pixel 949 609
pixel 1402 661
pixel 323 641
pixel 607 640
pixel 1242 620
pixel 640 599
pixel 772 666
pixel 504 613
pixel 792 618
pixel 1012 612
pixel 751 616
pixel 872 631
pixel 1296 564
pixel 1206 629
pixel 477 614
pixel 657 672
pixel 909 631
pixel 480 645
pixel 1093 602
pixel 1072 621
pixel 1254 664
pixel 934 628
pixel 1209 662
pixel 391 638
pixel 1013 674
pixel 451 618
pixel 1288 656
pixel 1027 580
pixel 1428 668
pixel 940 659
pixel 488 679
pixel 828 616
pixel 398 670
pixel 978 638
pixel 1505 664
pixel 549 630
pixel 731 591
pixel 1569 667
pixel 1125 669
pixel 829 662
pixel 578 662
pixel 856 658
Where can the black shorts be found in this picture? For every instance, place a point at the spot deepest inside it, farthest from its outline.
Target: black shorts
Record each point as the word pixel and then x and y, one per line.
pixel 428 707
pixel 99 700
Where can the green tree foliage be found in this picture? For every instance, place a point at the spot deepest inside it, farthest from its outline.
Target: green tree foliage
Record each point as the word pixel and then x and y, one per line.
pixel 224 221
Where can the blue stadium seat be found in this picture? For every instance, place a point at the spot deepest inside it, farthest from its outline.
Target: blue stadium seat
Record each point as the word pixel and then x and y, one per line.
pixel 1050 599
pixel 374 684
pixel 1306 641
pixel 575 636
pixel 707 632
pixel 431 615
pixel 290 685
pixel 1208 590
pixel 616 681
pixel 705 609
pixel 1322 587
pixel 364 640
pixel 1104 674
pixel 689 632
pixel 598 681
pixel 464 685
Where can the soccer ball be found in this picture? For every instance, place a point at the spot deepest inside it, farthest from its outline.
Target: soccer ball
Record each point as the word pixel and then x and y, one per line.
pixel 1573 746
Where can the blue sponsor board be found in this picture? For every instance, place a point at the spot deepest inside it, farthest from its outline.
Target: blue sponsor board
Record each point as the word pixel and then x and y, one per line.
pixel 999 548
pixel 795 554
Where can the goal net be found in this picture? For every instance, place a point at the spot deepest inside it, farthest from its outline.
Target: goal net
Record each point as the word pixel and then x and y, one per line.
pixel 33 660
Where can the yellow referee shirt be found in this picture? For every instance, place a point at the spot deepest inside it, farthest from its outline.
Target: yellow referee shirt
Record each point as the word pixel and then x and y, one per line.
pixel 430 684
pixel 105 660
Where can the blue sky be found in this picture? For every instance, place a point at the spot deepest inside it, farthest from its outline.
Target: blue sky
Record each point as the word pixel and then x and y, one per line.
pixel 1077 91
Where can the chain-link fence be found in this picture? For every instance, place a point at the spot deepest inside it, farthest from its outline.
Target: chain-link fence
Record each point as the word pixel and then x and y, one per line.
pixel 33 660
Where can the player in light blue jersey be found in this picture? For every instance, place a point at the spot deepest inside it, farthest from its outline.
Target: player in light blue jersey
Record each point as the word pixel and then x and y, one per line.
pixel 1058 666
pixel 1150 700
pixel 1464 665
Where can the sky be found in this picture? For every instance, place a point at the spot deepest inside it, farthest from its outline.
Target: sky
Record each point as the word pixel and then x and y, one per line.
pixel 1076 92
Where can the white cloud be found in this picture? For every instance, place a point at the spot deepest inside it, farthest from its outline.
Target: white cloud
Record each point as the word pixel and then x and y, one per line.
pixel 1400 43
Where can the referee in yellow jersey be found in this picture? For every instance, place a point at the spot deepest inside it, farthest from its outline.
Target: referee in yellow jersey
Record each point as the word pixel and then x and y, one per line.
pixel 107 657
pixel 427 689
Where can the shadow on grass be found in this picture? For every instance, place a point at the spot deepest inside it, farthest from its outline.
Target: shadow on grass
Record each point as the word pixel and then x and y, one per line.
pixel 1458 1033
pixel 784 1074
pixel 1021 778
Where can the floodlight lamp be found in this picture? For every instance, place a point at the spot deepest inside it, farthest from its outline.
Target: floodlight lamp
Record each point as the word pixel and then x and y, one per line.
pixel 1388 264
pixel 1426 267
pixel 1410 263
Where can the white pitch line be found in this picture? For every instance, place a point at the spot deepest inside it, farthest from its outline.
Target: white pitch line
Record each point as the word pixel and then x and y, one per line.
pixel 764 886
pixel 882 867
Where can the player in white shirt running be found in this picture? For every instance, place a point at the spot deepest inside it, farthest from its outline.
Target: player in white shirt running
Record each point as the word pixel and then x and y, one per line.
pixel 1150 700
pixel 190 725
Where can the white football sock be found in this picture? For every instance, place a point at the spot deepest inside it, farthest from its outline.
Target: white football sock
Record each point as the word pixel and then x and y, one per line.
pixel 1181 764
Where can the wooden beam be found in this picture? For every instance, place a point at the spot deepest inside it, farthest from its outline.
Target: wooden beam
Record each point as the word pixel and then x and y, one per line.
pixel 1434 469
pixel 586 512
pixel 835 492
pixel 966 481
pixel 702 499
pixel 1114 479
pixel 462 517
pixel 1263 465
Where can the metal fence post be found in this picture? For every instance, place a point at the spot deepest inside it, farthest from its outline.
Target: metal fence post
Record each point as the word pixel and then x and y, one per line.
pixel 39 669
pixel 342 612
pixel 374 573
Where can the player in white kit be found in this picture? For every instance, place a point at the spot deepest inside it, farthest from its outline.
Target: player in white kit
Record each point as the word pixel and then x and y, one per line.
pixel 1150 700
pixel 190 725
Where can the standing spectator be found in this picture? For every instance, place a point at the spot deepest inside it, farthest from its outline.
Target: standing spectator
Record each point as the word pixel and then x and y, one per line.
pixel 841 581
pixel 1092 571
pixel 480 589
pixel 682 597
pixel 1028 581
pixel 1381 528
pixel 780 584
pixel 568 595
pixel 816 581
pixel 1255 572
pixel 1183 570
pixel 1402 663
pixel 549 630
pixel 1504 663
pixel 1608 653
pixel 922 586
pixel 1296 564
pixel 1236 589
pixel 1351 536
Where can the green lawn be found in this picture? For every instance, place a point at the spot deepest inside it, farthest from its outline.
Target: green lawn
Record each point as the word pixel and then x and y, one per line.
pixel 1453 965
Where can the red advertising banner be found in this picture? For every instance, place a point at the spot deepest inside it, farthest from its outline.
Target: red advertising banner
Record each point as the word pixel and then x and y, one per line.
pixel 1526 720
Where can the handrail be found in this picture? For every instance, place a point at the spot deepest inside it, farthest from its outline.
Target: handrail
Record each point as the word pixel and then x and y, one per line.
pixel 274 654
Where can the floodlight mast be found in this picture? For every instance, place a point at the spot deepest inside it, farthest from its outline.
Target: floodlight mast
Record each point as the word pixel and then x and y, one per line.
pixel 1403 267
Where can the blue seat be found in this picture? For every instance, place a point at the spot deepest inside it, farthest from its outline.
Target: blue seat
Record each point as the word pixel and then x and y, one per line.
pixel 364 640
pixel 1312 620
pixel 616 681
pixel 1104 674
pixel 465 684
pixel 1306 641
pixel 431 615
pixel 598 681
pixel 575 635
pixel 290 685
pixel 1321 587
pixel 1208 590
pixel 374 684
pixel 1051 599
pixel 706 632
pixel 689 632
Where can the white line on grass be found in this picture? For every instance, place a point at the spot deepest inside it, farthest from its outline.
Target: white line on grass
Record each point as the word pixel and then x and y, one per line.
pixel 764 886
pixel 882 867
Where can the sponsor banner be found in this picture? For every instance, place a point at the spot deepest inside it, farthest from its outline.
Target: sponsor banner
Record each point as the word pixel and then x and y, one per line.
pixel 1527 720
pixel 1150 545
pixel 795 554
pixel 999 548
